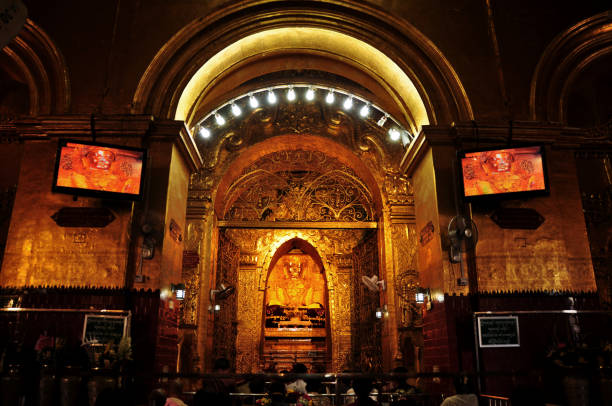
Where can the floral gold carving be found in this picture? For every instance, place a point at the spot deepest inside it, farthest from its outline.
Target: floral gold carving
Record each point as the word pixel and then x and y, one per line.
pixel 366 331
pixel 398 189
pixel 299 186
pixel 225 327
pixel 246 358
pixel 363 137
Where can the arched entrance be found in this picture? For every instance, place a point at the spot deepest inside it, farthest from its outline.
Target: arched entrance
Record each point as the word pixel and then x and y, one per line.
pixel 368 57
pixel 296 310
pixel 284 205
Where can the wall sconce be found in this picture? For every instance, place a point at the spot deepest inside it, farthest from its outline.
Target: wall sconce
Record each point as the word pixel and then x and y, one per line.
pixel 421 294
pixel 214 308
pixel 381 312
pixel 179 291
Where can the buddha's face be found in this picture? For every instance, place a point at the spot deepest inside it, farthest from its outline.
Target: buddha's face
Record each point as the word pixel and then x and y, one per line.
pixel 500 161
pixel 294 269
pixel 100 158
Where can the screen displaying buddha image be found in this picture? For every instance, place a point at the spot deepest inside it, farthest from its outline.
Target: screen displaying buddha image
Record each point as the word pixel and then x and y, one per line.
pixel 100 168
pixel 503 171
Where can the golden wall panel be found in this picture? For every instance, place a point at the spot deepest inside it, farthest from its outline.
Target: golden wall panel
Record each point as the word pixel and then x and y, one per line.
pixel 406 281
pixel 39 252
pixel 429 253
pixel 247 341
pixel 555 256
pixel 175 211
pixel 191 276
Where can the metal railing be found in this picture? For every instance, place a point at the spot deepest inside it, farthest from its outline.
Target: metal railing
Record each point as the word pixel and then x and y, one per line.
pixel 490 400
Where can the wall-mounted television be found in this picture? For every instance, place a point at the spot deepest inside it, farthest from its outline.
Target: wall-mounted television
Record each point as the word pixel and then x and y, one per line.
pixel 504 173
pixel 84 168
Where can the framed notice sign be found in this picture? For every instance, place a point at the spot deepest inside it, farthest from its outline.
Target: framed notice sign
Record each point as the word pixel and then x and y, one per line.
pixel 104 329
pixel 498 331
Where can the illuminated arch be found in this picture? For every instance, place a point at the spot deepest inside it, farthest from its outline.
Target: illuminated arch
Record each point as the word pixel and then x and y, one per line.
pixel 415 74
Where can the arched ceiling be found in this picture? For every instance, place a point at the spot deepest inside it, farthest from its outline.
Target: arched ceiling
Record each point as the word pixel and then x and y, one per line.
pixel 335 50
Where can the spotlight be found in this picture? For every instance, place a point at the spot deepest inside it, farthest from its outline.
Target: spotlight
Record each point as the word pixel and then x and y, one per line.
pixel 310 94
pixel 236 111
pixel 365 110
pixel 217 307
pixel 329 99
pixel 271 97
pixel 291 94
pixel 204 132
pixel 348 103
pixel 219 119
pixel 382 120
pixel 394 134
pixel 253 102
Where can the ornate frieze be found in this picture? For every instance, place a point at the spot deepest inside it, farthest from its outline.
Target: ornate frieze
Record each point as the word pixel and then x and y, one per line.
pixel 299 186
pixel 247 357
pixel 225 328
pixel 398 189
pixel 363 137
pixel 366 329
pixel 405 274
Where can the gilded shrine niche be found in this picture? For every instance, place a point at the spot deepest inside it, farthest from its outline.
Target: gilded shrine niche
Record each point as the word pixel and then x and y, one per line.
pixel 295 323
pixel 296 214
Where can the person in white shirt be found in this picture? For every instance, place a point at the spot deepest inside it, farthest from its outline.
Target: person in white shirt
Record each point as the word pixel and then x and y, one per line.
pixel 465 393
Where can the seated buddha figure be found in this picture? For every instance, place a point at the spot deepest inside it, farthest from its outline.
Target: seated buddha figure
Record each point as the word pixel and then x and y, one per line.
pixel 298 284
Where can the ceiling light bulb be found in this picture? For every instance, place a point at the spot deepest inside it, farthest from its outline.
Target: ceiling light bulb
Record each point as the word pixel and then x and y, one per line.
pixel 329 99
pixel 394 134
pixel 204 132
pixel 310 94
pixel 271 97
pixel 236 111
pixel 365 110
pixel 253 102
pixel 219 119
pixel 348 103
pixel 291 94
pixel 382 120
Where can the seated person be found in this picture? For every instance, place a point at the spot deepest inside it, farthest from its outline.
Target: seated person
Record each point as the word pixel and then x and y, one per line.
pixel 298 385
pixel 363 388
pixel 465 393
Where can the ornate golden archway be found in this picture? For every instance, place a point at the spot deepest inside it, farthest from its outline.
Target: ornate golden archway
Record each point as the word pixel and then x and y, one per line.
pixel 293 195
pixel 251 46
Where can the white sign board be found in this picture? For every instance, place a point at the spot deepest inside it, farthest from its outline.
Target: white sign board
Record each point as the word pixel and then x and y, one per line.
pixel 498 331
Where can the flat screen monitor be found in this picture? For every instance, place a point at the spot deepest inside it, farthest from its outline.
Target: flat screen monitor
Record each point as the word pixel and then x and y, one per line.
pixel 85 168
pixel 504 173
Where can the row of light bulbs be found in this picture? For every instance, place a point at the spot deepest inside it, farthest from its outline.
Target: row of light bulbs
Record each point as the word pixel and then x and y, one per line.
pixel 396 131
